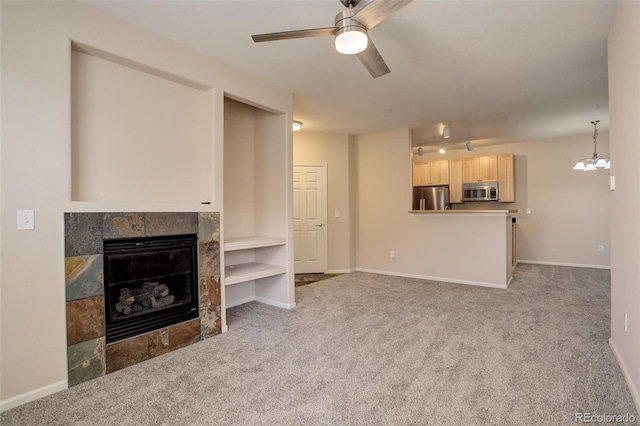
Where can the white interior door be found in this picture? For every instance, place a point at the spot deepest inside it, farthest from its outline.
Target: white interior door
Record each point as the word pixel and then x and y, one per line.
pixel 309 219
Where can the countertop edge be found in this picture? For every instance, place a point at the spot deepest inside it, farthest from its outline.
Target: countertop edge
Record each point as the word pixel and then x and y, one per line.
pixel 468 212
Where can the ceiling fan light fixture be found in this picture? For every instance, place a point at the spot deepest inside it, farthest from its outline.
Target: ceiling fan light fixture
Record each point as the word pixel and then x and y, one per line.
pixel 351 40
pixel 351 36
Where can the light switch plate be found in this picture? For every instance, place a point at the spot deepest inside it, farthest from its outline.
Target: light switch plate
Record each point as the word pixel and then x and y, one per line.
pixel 25 220
pixel 612 183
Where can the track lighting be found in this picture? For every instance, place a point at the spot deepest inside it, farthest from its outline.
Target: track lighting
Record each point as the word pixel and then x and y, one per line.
pixel 446 131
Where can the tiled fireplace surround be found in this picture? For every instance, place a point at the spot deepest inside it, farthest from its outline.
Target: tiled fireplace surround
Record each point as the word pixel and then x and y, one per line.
pixel 88 354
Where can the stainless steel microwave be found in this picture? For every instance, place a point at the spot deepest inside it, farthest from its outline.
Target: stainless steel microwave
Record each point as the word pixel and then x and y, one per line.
pixel 481 191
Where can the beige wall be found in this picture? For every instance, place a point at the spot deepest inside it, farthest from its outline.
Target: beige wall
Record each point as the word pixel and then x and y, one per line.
pixel 569 209
pixel 35 162
pixel 133 126
pixel 335 151
pixel 624 99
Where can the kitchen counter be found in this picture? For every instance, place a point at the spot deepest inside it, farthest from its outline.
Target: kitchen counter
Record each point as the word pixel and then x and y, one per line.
pixel 509 211
pixel 459 246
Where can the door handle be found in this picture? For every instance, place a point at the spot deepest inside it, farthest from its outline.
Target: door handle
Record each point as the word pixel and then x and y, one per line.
pixel 320 225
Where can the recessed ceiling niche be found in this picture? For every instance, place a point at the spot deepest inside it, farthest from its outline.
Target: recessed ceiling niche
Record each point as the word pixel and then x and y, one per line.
pixel 138 135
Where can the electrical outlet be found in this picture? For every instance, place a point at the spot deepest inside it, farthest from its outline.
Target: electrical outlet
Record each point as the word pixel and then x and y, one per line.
pixel 528 211
pixel 600 248
pixel 392 254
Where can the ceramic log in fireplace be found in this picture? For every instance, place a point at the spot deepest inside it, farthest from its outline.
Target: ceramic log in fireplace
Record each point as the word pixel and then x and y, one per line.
pixel 150 283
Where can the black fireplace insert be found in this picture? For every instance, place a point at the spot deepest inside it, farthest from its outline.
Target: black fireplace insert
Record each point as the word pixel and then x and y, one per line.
pixel 149 283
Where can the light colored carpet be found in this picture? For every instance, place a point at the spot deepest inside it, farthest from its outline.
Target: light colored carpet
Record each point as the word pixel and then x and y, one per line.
pixel 364 349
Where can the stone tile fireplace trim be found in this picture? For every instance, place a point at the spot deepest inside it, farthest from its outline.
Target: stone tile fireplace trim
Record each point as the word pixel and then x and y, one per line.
pixel 88 355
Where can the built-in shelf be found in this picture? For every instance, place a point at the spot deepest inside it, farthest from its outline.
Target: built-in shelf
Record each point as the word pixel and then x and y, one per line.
pixel 235 274
pixel 245 243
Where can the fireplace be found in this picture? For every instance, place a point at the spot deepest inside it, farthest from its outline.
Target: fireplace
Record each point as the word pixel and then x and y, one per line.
pixel 149 283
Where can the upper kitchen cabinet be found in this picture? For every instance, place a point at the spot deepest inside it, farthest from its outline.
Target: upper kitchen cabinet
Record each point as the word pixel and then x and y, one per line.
pixel 480 169
pixel 431 173
pixel 506 181
pixel 455 181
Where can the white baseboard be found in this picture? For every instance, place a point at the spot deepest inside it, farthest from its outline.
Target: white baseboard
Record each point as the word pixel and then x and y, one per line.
pixel 575 265
pixel 275 303
pixel 635 392
pixel 240 302
pixel 18 400
pixel 446 280
pixel 261 300
pixel 340 271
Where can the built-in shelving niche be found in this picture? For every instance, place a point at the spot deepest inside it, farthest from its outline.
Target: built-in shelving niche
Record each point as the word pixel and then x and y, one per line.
pixel 256 220
pixel 138 134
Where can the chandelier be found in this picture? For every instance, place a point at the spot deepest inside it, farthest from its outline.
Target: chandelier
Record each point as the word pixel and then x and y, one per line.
pixel 595 162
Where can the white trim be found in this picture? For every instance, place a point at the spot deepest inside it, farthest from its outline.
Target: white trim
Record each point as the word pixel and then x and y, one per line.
pixel 635 393
pixel 575 265
pixel 275 303
pixel 340 271
pixel 240 302
pixel 225 329
pixel 261 300
pixel 446 280
pixel 33 395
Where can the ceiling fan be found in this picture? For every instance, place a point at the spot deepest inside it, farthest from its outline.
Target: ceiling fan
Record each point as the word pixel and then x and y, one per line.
pixel 351 32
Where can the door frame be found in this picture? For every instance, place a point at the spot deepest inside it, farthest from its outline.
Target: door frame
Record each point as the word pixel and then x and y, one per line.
pixel 326 208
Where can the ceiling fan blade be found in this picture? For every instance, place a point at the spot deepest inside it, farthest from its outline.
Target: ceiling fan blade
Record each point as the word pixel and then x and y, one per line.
pixel 372 61
pixel 379 10
pixel 284 35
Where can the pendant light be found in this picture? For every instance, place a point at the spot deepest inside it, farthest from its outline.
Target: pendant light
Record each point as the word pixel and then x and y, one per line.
pixel 596 162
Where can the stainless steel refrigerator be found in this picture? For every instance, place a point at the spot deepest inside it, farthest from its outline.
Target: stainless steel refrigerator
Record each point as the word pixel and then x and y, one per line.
pixel 431 198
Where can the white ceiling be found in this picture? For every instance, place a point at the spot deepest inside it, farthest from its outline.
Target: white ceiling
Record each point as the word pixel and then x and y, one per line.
pixel 499 71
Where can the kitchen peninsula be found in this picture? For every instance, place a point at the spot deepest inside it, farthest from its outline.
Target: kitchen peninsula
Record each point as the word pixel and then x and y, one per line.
pixel 465 246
